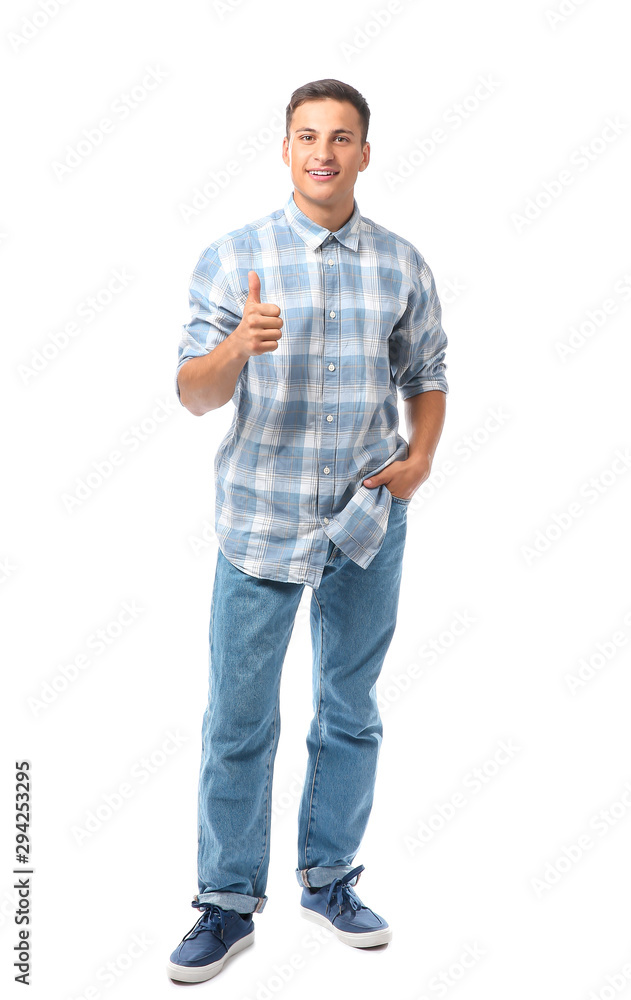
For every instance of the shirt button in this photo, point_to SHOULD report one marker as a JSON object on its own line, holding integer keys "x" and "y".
{"x": 329, "y": 418}
{"x": 331, "y": 367}
{"x": 326, "y": 520}
{"x": 331, "y": 262}
{"x": 326, "y": 470}
{"x": 332, "y": 314}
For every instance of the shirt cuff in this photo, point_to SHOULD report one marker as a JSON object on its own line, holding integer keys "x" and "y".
{"x": 415, "y": 390}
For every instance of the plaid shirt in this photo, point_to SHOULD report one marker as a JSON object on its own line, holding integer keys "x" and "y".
{"x": 361, "y": 319}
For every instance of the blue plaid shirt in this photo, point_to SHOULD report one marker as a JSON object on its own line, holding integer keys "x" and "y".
{"x": 312, "y": 419}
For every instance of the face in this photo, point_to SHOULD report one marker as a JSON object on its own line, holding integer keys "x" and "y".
{"x": 325, "y": 135}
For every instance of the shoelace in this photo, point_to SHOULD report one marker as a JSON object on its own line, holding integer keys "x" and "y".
{"x": 212, "y": 920}
{"x": 342, "y": 894}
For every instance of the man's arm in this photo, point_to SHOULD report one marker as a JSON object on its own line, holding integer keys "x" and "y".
{"x": 418, "y": 344}
{"x": 206, "y": 383}
{"x": 425, "y": 418}
{"x": 425, "y": 409}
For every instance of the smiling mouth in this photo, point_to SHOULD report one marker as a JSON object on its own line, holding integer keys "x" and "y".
{"x": 323, "y": 173}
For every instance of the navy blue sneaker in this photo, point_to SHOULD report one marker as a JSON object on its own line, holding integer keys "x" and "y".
{"x": 338, "y": 907}
{"x": 216, "y": 936}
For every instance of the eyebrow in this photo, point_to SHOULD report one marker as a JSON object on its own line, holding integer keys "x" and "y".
{"x": 333, "y": 131}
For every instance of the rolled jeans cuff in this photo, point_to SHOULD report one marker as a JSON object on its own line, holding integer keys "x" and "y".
{"x": 317, "y": 877}
{"x": 234, "y": 901}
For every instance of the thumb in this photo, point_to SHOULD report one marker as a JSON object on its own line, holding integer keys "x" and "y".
{"x": 373, "y": 481}
{"x": 254, "y": 286}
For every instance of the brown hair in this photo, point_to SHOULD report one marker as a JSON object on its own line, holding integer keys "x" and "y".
{"x": 319, "y": 89}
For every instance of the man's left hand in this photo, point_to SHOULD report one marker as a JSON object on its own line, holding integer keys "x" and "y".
{"x": 402, "y": 478}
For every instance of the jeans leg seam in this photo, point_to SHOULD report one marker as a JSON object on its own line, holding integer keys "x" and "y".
{"x": 267, "y": 799}
{"x": 205, "y": 715}
{"x": 315, "y": 768}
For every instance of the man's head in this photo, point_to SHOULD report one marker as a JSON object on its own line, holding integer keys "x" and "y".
{"x": 335, "y": 90}
{"x": 327, "y": 124}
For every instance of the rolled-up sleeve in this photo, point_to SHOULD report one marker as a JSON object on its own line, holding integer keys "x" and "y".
{"x": 214, "y": 311}
{"x": 418, "y": 341}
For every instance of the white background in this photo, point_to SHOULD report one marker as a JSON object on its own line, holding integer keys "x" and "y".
{"x": 497, "y": 876}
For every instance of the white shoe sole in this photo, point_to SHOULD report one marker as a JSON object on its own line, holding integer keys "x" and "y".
{"x": 367, "y": 939}
{"x": 186, "y": 974}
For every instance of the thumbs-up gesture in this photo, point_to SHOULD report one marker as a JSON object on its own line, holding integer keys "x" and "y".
{"x": 259, "y": 330}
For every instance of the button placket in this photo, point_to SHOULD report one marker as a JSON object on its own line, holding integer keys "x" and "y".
{"x": 330, "y": 396}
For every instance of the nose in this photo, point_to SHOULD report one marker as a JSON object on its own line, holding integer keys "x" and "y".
{"x": 323, "y": 153}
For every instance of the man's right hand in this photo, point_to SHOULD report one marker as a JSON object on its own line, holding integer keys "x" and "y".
{"x": 259, "y": 330}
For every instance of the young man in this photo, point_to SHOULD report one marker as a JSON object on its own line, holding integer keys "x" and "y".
{"x": 309, "y": 319}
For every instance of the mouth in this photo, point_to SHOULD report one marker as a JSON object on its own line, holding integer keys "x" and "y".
{"x": 323, "y": 175}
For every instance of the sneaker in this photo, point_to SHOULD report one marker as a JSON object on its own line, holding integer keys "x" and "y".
{"x": 338, "y": 907}
{"x": 216, "y": 936}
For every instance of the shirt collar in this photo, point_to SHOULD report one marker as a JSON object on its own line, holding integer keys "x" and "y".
{"x": 314, "y": 235}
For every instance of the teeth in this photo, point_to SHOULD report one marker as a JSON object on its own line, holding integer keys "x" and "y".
{"x": 322, "y": 173}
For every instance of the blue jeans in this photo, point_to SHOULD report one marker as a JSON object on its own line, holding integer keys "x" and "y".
{"x": 353, "y": 617}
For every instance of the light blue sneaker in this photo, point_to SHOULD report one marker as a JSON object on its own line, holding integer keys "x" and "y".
{"x": 217, "y": 935}
{"x": 338, "y": 907}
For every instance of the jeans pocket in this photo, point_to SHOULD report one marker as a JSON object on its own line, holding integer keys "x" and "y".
{"x": 400, "y": 499}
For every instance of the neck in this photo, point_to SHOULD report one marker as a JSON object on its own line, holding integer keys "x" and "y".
{"x": 331, "y": 217}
